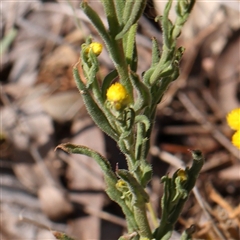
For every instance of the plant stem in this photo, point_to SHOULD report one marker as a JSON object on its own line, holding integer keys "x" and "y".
{"x": 142, "y": 221}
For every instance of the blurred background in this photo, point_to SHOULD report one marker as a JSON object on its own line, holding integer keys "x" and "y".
{"x": 45, "y": 191}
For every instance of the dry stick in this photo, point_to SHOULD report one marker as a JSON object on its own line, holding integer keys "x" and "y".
{"x": 178, "y": 163}
{"x": 55, "y": 227}
{"x": 213, "y": 104}
{"x": 33, "y": 221}
{"x": 105, "y": 216}
{"x": 180, "y": 130}
{"x": 198, "y": 116}
{"x": 167, "y": 157}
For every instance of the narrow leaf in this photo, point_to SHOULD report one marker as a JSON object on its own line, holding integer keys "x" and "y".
{"x": 110, "y": 178}
{"x": 131, "y": 51}
{"x": 107, "y": 82}
{"x": 144, "y": 97}
{"x": 139, "y": 196}
{"x": 111, "y": 15}
{"x": 93, "y": 109}
{"x": 97, "y": 22}
{"x": 136, "y": 13}
{"x": 155, "y": 52}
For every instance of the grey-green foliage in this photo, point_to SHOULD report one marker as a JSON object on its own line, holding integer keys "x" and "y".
{"x": 130, "y": 125}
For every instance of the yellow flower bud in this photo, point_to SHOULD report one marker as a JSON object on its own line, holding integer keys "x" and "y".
{"x": 118, "y": 96}
{"x": 233, "y": 119}
{"x": 182, "y": 174}
{"x": 96, "y": 47}
{"x": 236, "y": 139}
{"x": 120, "y": 184}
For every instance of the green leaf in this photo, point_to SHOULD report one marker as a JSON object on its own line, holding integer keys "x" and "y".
{"x": 187, "y": 234}
{"x": 155, "y": 52}
{"x": 147, "y": 75}
{"x": 129, "y": 119}
{"x": 136, "y": 12}
{"x": 111, "y": 15}
{"x": 127, "y": 10}
{"x": 130, "y": 47}
{"x": 167, "y": 25}
{"x": 143, "y": 119}
{"x": 144, "y": 97}
{"x": 107, "y": 82}
{"x": 139, "y": 196}
{"x": 183, "y": 9}
{"x": 93, "y": 109}
{"x": 119, "y": 5}
{"x": 90, "y": 66}
{"x": 97, "y": 22}
{"x": 172, "y": 206}
{"x": 109, "y": 176}
{"x": 193, "y": 172}
{"x": 146, "y": 172}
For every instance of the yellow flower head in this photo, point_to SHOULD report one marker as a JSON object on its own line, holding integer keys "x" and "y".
{"x": 120, "y": 184}
{"x": 236, "y": 139}
{"x": 182, "y": 174}
{"x": 96, "y": 47}
{"x": 118, "y": 96}
{"x": 233, "y": 119}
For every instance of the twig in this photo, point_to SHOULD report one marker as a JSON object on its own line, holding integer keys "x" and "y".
{"x": 31, "y": 221}
{"x": 106, "y": 216}
{"x": 201, "y": 119}
{"x": 167, "y": 157}
{"x": 49, "y": 225}
{"x": 38, "y": 159}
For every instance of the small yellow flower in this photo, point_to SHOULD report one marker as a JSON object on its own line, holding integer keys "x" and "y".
{"x": 182, "y": 174}
{"x": 120, "y": 184}
{"x": 96, "y": 47}
{"x": 236, "y": 139}
{"x": 118, "y": 96}
{"x": 233, "y": 119}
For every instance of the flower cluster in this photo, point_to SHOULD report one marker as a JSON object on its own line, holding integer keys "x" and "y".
{"x": 233, "y": 120}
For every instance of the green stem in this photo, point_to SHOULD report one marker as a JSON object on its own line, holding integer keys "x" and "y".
{"x": 122, "y": 67}
{"x": 142, "y": 222}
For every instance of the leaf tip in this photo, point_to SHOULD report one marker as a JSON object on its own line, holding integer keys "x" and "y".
{"x": 63, "y": 146}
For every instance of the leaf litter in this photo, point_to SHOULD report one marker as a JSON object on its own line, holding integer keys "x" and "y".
{"x": 40, "y": 108}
